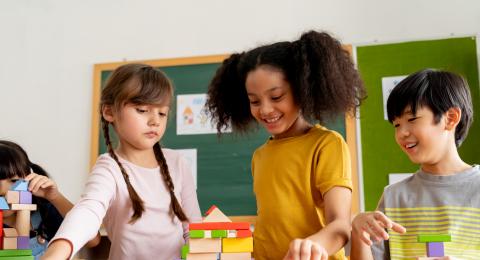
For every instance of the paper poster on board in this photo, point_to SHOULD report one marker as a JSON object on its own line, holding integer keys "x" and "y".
{"x": 388, "y": 83}
{"x": 192, "y": 118}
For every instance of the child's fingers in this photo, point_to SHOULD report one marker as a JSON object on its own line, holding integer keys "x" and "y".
{"x": 39, "y": 182}
{"x": 30, "y": 176}
{"x": 379, "y": 216}
{"x": 305, "y": 249}
{"x": 398, "y": 228}
{"x": 366, "y": 238}
{"x": 316, "y": 252}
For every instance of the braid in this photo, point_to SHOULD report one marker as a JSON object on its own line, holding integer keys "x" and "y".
{"x": 175, "y": 205}
{"x": 137, "y": 202}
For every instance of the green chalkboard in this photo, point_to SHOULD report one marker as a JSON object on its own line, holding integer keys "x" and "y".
{"x": 380, "y": 153}
{"x": 223, "y": 165}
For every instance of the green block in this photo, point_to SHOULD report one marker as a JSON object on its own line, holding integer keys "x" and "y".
{"x": 219, "y": 233}
{"x": 22, "y": 257}
{"x": 197, "y": 233}
{"x": 15, "y": 252}
{"x": 434, "y": 238}
{"x": 185, "y": 250}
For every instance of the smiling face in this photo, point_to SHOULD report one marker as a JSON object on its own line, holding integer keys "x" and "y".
{"x": 424, "y": 141}
{"x": 272, "y": 103}
{"x": 138, "y": 127}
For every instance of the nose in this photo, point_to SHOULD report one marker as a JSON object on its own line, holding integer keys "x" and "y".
{"x": 265, "y": 108}
{"x": 402, "y": 132}
{"x": 154, "y": 120}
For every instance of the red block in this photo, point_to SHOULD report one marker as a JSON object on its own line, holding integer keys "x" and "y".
{"x": 244, "y": 233}
{"x": 220, "y": 225}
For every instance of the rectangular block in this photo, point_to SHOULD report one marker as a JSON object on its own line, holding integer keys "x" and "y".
{"x": 13, "y": 197}
{"x": 219, "y": 225}
{"x": 31, "y": 207}
{"x": 185, "y": 251}
{"x": 205, "y": 245}
{"x": 203, "y": 256}
{"x": 9, "y": 243}
{"x": 244, "y": 233}
{"x": 13, "y": 252}
{"x": 23, "y": 257}
{"x": 219, "y": 233}
{"x": 207, "y": 234}
{"x": 25, "y": 197}
{"x": 236, "y": 256}
{"x": 435, "y": 249}
{"x": 197, "y": 233}
{"x": 434, "y": 238}
{"x": 237, "y": 245}
{"x": 23, "y": 242}
{"x": 232, "y": 233}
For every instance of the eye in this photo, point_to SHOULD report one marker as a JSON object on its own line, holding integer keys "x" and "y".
{"x": 162, "y": 114}
{"x": 396, "y": 125}
{"x": 254, "y": 102}
{"x": 141, "y": 110}
{"x": 276, "y": 98}
{"x": 412, "y": 119}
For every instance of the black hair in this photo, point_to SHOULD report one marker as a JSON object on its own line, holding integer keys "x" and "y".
{"x": 14, "y": 163}
{"x": 437, "y": 90}
{"x": 320, "y": 71}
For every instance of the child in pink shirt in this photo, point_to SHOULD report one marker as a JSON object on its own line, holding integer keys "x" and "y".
{"x": 144, "y": 194}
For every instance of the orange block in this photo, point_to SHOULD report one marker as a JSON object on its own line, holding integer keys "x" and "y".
{"x": 244, "y": 233}
{"x": 219, "y": 225}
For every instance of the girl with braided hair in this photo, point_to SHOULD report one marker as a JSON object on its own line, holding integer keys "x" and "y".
{"x": 144, "y": 194}
{"x": 302, "y": 174}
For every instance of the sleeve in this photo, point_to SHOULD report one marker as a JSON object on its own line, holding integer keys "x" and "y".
{"x": 83, "y": 221}
{"x": 333, "y": 167}
{"x": 188, "y": 195}
{"x": 380, "y": 250}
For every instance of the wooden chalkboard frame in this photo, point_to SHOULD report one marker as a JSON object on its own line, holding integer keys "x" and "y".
{"x": 350, "y": 122}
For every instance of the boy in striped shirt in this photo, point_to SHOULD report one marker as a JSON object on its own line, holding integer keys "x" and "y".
{"x": 432, "y": 112}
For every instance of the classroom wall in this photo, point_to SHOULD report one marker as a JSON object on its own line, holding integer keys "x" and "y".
{"x": 48, "y": 48}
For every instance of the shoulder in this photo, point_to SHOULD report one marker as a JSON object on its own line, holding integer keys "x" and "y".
{"x": 400, "y": 187}
{"x": 106, "y": 165}
{"x": 173, "y": 157}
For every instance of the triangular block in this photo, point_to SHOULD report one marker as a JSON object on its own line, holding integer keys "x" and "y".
{"x": 214, "y": 214}
{"x": 20, "y": 185}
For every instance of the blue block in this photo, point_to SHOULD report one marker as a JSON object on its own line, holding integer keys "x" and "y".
{"x": 3, "y": 203}
{"x": 435, "y": 249}
{"x": 20, "y": 185}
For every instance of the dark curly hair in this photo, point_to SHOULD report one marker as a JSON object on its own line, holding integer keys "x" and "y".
{"x": 321, "y": 73}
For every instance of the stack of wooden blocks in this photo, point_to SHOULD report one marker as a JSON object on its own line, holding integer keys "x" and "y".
{"x": 218, "y": 238}
{"x": 14, "y": 241}
{"x": 435, "y": 247}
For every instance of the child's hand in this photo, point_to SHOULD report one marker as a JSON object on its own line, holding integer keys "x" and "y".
{"x": 42, "y": 186}
{"x": 371, "y": 226}
{"x": 306, "y": 249}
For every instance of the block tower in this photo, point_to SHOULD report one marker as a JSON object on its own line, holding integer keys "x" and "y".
{"x": 14, "y": 241}
{"x": 434, "y": 243}
{"x": 218, "y": 238}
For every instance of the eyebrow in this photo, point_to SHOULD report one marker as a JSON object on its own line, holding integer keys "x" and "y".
{"x": 269, "y": 90}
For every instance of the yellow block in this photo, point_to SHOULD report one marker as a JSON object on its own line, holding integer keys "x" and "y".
{"x": 237, "y": 245}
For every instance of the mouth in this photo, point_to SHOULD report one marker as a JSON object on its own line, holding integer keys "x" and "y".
{"x": 410, "y": 145}
{"x": 151, "y": 134}
{"x": 272, "y": 119}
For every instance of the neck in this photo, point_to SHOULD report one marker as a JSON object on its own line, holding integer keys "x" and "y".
{"x": 143, "y": 158}
{"x": 449, "y": 164}
{"x": 299, "y": 127}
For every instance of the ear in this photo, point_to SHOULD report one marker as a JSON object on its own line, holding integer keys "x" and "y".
{"x": 452, "y": 117}
{"x": 107, "y": 113}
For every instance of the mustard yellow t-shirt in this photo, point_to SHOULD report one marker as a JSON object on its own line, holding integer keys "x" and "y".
{"x": 290, "y": 178}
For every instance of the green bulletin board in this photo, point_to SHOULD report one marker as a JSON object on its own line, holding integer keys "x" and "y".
{"x": 380, "y": 153}
{"x": 223, "y": 165}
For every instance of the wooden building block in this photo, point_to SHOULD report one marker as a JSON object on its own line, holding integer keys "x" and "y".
{"x": 236, "y": 256}
{"x": 22, "y": 223}
{"x": 25, "y": 197}
{"x": 215, "y": 215}
{"x": 202, "y": 256}
{"x": 185, "y": 251}
{"x": 20, "y": 185}
{"x": 244, "y": 233}
{"x": 13, "y": 197}
{"x": 435, "y": 249}
{"x": 205, "y": 245}
{"x": 9, "y": 243}
{"x": 208, "y": 234}
{"x": 10, "y": 232}
{"x": 23, "y": 242}
{"x": 31, "y": 207}
{"x": 219, "y": 225}
{"x": 237, "y": 245}
{"x": 197, "y": 233}
{"x": 1, "y": 225}
{"x": 13, "y": 252}
{"x": 219, "y": 233}
{"x": 434, "y": 238}
{"x": 232, "y": 233}
{"x": 3, "y": 204}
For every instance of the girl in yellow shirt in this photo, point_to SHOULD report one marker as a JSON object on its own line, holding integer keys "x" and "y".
{"x": 301, "y": 175}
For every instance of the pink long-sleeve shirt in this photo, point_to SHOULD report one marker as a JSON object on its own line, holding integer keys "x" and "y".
{"x": 156, "y": 234}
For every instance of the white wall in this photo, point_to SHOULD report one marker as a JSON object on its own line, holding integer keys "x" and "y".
{"x": 48, "y": 48}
